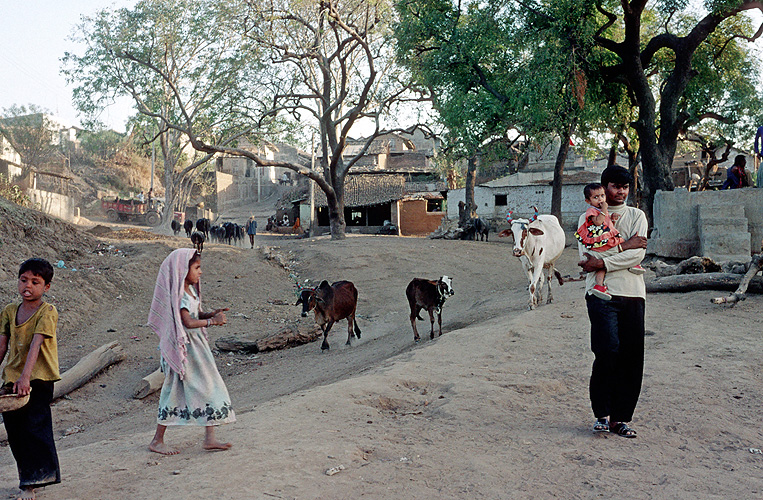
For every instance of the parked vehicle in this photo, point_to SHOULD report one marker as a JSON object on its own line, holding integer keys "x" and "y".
{"x": 148, "y": 213}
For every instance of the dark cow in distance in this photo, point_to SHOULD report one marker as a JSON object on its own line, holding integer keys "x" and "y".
{"x": 188, "y": 226}
{"x": 331, "y": 303}
{"x": 175, "y": 227}
{"x": 197, "y": 238}
{"x": 429, "y": 295}
{"x": 203, "y": 225}
{"x": 476, "y": 229}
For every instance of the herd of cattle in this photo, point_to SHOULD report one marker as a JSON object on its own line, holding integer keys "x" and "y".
{"x": 227, "y": 232}
{"x": 538, "y": 243}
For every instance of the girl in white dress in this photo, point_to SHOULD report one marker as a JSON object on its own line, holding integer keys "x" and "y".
{"x": 193, "y": 392}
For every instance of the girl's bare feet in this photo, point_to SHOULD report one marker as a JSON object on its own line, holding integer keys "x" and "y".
{"x": 211, "y": 443}
{"x": 157, "y": 443}
{"x": 216, "y": 445}
{"x": 26, "y": 494}
{"x": 160, "y": 447}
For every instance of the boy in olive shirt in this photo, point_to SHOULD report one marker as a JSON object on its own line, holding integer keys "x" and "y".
{"x": 28, "y": 337}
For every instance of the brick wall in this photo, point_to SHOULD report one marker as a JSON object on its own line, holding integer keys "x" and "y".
{"x": 414, "y": 219}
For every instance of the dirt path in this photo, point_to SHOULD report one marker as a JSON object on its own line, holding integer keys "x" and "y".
{"x": 496, "y": 408}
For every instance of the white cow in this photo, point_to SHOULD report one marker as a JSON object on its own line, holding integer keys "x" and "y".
{"x": 538, "y": 242}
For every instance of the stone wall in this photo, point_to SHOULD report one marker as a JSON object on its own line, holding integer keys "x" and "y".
{"x": 723, "y": 225}
{"x": 55, "y": 204}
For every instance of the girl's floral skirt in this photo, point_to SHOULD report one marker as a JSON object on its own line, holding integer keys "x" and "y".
{"x": 201, "y": 398}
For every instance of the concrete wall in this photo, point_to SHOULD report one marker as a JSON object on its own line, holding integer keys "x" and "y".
{"x": 676, "y": 230}
{"x": 519, "y": 199}
{"x": 415, "y": 220}
{"x": 55, "y": 204}
{"x": 233, "y": 191}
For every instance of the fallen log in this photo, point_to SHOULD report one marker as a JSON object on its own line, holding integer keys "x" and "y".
{"x": 707, "y": 281}
{"x": 87, "y": 368}
{"x": 238, "y": 345}
{"x": 288, "y": 337}
{"x": 692, "y": 265}
{"x": 741, "y": 293}
{"x": 149, "y": 384}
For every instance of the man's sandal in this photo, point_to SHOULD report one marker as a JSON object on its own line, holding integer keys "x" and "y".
{"x": 601, "y": 425}
{"x": 622, "y": 429}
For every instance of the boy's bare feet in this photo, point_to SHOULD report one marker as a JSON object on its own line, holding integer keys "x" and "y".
{"x": 216, "y": 445}
{"x": 26, "y": 494}
{"x": 162, "y": 448}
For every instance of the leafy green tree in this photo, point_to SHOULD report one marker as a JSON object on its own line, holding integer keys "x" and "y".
{"x": 722, "y": 103}
{"x": 498, "y": 67}
{"x": 100, "y": 145}
{"x": 180, "y": 69}
{"x": 655, "y": 54}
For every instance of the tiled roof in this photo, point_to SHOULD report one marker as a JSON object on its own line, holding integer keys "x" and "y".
{"x": 364, "y": 190}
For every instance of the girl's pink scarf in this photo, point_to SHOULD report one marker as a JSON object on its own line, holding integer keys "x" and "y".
{"x": 164, "y": 317}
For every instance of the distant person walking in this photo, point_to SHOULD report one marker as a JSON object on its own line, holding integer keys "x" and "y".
{"x": 251, "y": 229}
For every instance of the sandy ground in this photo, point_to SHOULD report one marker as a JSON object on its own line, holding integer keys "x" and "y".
{"x": 495, "y": 408}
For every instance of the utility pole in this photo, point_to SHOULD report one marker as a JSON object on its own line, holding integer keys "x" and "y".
{"x": 153, "y": 160}
{"x": 312, "y": 188}
{"x": 259, "y": 187}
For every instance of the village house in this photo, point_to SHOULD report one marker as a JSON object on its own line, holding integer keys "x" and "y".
{"x": 238, "y": 180}
{"x": 395, "y": 182}
{"x": 532, "y": 186}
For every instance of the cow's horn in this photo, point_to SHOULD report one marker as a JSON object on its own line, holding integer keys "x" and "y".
{"x": 508, "y": 216}
{"x": 535, "y": 216}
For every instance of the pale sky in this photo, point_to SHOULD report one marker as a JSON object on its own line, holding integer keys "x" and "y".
{"x": 33, "y": 38}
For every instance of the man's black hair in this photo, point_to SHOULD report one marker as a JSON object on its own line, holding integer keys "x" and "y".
{"x": 38, "y": 267}
{"x": 590, "y": 188}
{"x": 740, "y": 160}
{"x": 616, "y": 175}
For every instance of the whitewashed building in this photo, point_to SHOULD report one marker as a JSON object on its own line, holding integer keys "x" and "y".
{"x": 519, "y": 192}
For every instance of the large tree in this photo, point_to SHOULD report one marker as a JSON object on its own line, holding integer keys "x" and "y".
{"x": 497, "y": 67}
{"x": 250, "y": 67}
{"x": 658, "y": 66}
{"x": 177, "y": 66}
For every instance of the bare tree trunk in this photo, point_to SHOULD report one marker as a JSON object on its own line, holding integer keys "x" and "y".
{"x": 561, "y": 159}
{"x": 149, "y": 384}
{"x": 708, "y": 281}
{"x": 87, "y": 368}
{"x": 612, "y": 156}
{"x": 337, "y": 222}
{"x": 471, "y": 180}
